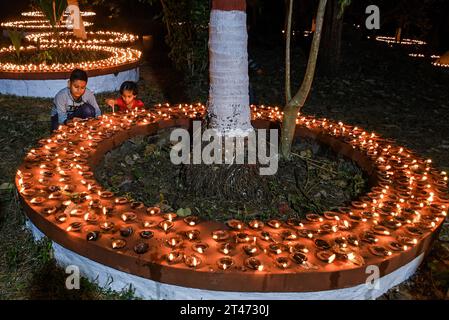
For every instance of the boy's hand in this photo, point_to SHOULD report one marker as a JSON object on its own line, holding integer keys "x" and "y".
{"x": 110, "y": 102}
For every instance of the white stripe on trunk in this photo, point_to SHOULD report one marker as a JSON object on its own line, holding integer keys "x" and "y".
{"x": 228, "y": 108}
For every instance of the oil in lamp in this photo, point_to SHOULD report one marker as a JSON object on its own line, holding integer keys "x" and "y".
{"x": 225, "y": 262}
{"x": 192, "y": 234}
{"x": 173, "y": 242}
{"x": 141, "y": 248}
{"x": 129, "y": 216}
{"x": 93, "y": 236}
{"x": 107, "y": 226}
{"x": 153, "y": 210}
{"x": 74, "y": 227}
{"x": 61, "y": 217}
{"x": 298, "y": 257}
{"x": 254, "y": 264}
{"x": 282, "y": 262}
{"x": 250, "y": 249}
{"x": 220, "y": 235}
{"x": 166, "y": 225}
{"x": 118, "y": 243}
{"x": 146, "y": 234}
{"x": 226, "y": 248}
{"x": 200, "y": 247}
{"x": 175, "y": 256}
{"x": 276, "y": 224}
{"x": 256, "y": 224}
{"x": 192, "y": 261}
{"x": 191, "y": 220}
{"x": 326, "y": 256}
{"x": 235, "y": 224}
{"x": 170, "y": 216}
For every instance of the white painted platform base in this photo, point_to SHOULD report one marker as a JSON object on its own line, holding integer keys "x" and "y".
{"x": 49, "y": 88}
{"x": 148, "y": 289}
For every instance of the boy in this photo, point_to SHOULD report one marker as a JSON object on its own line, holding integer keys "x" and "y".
{"x": 128, "y": 98}
{"x": 75, "y": 101}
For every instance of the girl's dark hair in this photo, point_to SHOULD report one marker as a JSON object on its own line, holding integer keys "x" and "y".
{"x": 129, "y": 86}
{"x": 78, "y": 74}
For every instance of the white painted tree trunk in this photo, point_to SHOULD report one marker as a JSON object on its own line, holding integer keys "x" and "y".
{"x": 228, "y": 108}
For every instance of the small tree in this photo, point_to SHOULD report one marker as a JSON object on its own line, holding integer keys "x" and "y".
{"x": 53, "y": 11}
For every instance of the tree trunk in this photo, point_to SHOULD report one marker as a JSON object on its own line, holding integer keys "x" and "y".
{"x": 81, "y": 31}
{"x": 297, "y": 102}
{"x": 288, "y": 29}
{"x": 330, "y": 51}
{"x": 228, "y": 110}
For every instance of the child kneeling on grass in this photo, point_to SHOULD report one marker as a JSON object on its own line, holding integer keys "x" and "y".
{"x": 128, "y": 98}
{"x": 75, "y": 101}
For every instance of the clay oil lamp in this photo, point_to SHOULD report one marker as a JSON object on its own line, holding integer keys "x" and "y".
{"x": 369, "y": 237}
{"x": 225, "y": 262}
{"x": 326, "y": 228}
{"x": 93, "y": 236}
{"x": 330, "y": 215}
{"x": 226, "y": 248}
{"x": 128, "y": 216}
{"x": 37, "y": 201}
{"x": 294, "y": 222}
{"x": 250, "y": 249}
{"x": 91, "y": 217}
{"x": 266, "y": 236}
{"x": 242, "y": 237}
{"x": 141, "y": 248}
{"x": 49, "y": 210}
{"x": 61, "y": 217}
{"x": 288, "y": 235}
{"x": 410, "y": 242}
{"x": 379, "y": 251}
{"x": 192, "y": 234}
{"x": 304, "y": 233}
{"x": 146, "y": 234}
{"x": 200, "y": 247}
{"x": 118, "y": 244}
{"x": 166, "y": 225}
{"x": 192, "y": 220}
{"x": 256, "y": 224}
{"x": 322, "y": 244}
{"x": 234, "y": 224}
{"x": 396, "y": 246}
{"x": 107, "y": 210}
{"x": 192, "y": 261}
{"x": 149, "y": 224}
{"x": 282, "y": 262}
{"x": 381, "y": 230}
{"x": 74, "y": 227}
{"x": 254, "y": 264}
{"x": 326, "y": 256}
{"x": 344, "y": 225}
{"x": 298, "y": 257}
{"x": 174, "y": 242}
{"x": 126, "y": 231}
{"x": 121, "y": 200}
{"x": 220, "y": 235}
{"x": 106, "y": 194}
{"x": 275, "y": 224}
{"x": 95, "y": 203}
{"x": 107, "y": 226}
{"x": 298, "y": 247}
{"x": 414, "y": 230}
{"x": 28, "y": 192}
{"x": 276, "y": 248}
{"x": 169, "y": 216}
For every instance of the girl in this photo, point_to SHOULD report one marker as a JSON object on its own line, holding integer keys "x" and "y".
{"x": 128, "y": 98}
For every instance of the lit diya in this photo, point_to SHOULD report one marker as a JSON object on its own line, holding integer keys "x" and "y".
{"x": 107, "y": 226}
{"x": 298, "y": 257}
{"x": 313, "y": 217}
{"x": 192, "y": 220}
{"x": 264, "y": 235}
{"x": 276, "y": 224}
{"x": 192, "y": 261}
{"x": 235, "y": 224}
{"x": 91, "y": 217}
{"x": 226, "y": 248}
{"x": 118, "y": 243}
{"x": 61, "y": 217}
{"x": 121, "y": 200}
{"x": 153, "y": 210}
{"x": 294, "y": 222}
{"x": 256, "y": 224}
{"x": 250, "y": 249}
{"x": 49, "y": 210}
{"x": 225, "y": 262}
{"x": 74, "y": 227}
{"x": 174, "y": 241}
{"x": 166, "y": 225}
{"x": 322, "y": 244}
{"x": 200, "y": 247}
{"x": 37, "y": 201}
{"x": 149, "y": 223}
{"x": 304, "y": 233}
{"x": 220, "y": 235}
{"x": 326, "y": 256}
{"x": 169, "y": 216}
{"x": 254, "y": 264}
{"x": 288, "y": 235}
{"x": 298, "y": 247}
{"x": 137, "y": 205}
{"x": 93, "y": 236}
{"x": 276, "y": 248}
{"x": 242, "y": 237}
{"x": 106, "y": 194}
{"x": 129, "y": 216}
{"x": 192, "y": 234}
{"x": 282, "y": 262}
{"x": 175, "y": 256}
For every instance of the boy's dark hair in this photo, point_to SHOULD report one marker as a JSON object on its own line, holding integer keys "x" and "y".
{"x": 129, "y": 85}
{"x": 78, "y": 74}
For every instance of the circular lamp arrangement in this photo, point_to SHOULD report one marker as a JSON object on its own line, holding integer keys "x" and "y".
{"x": 388, "y": 227}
